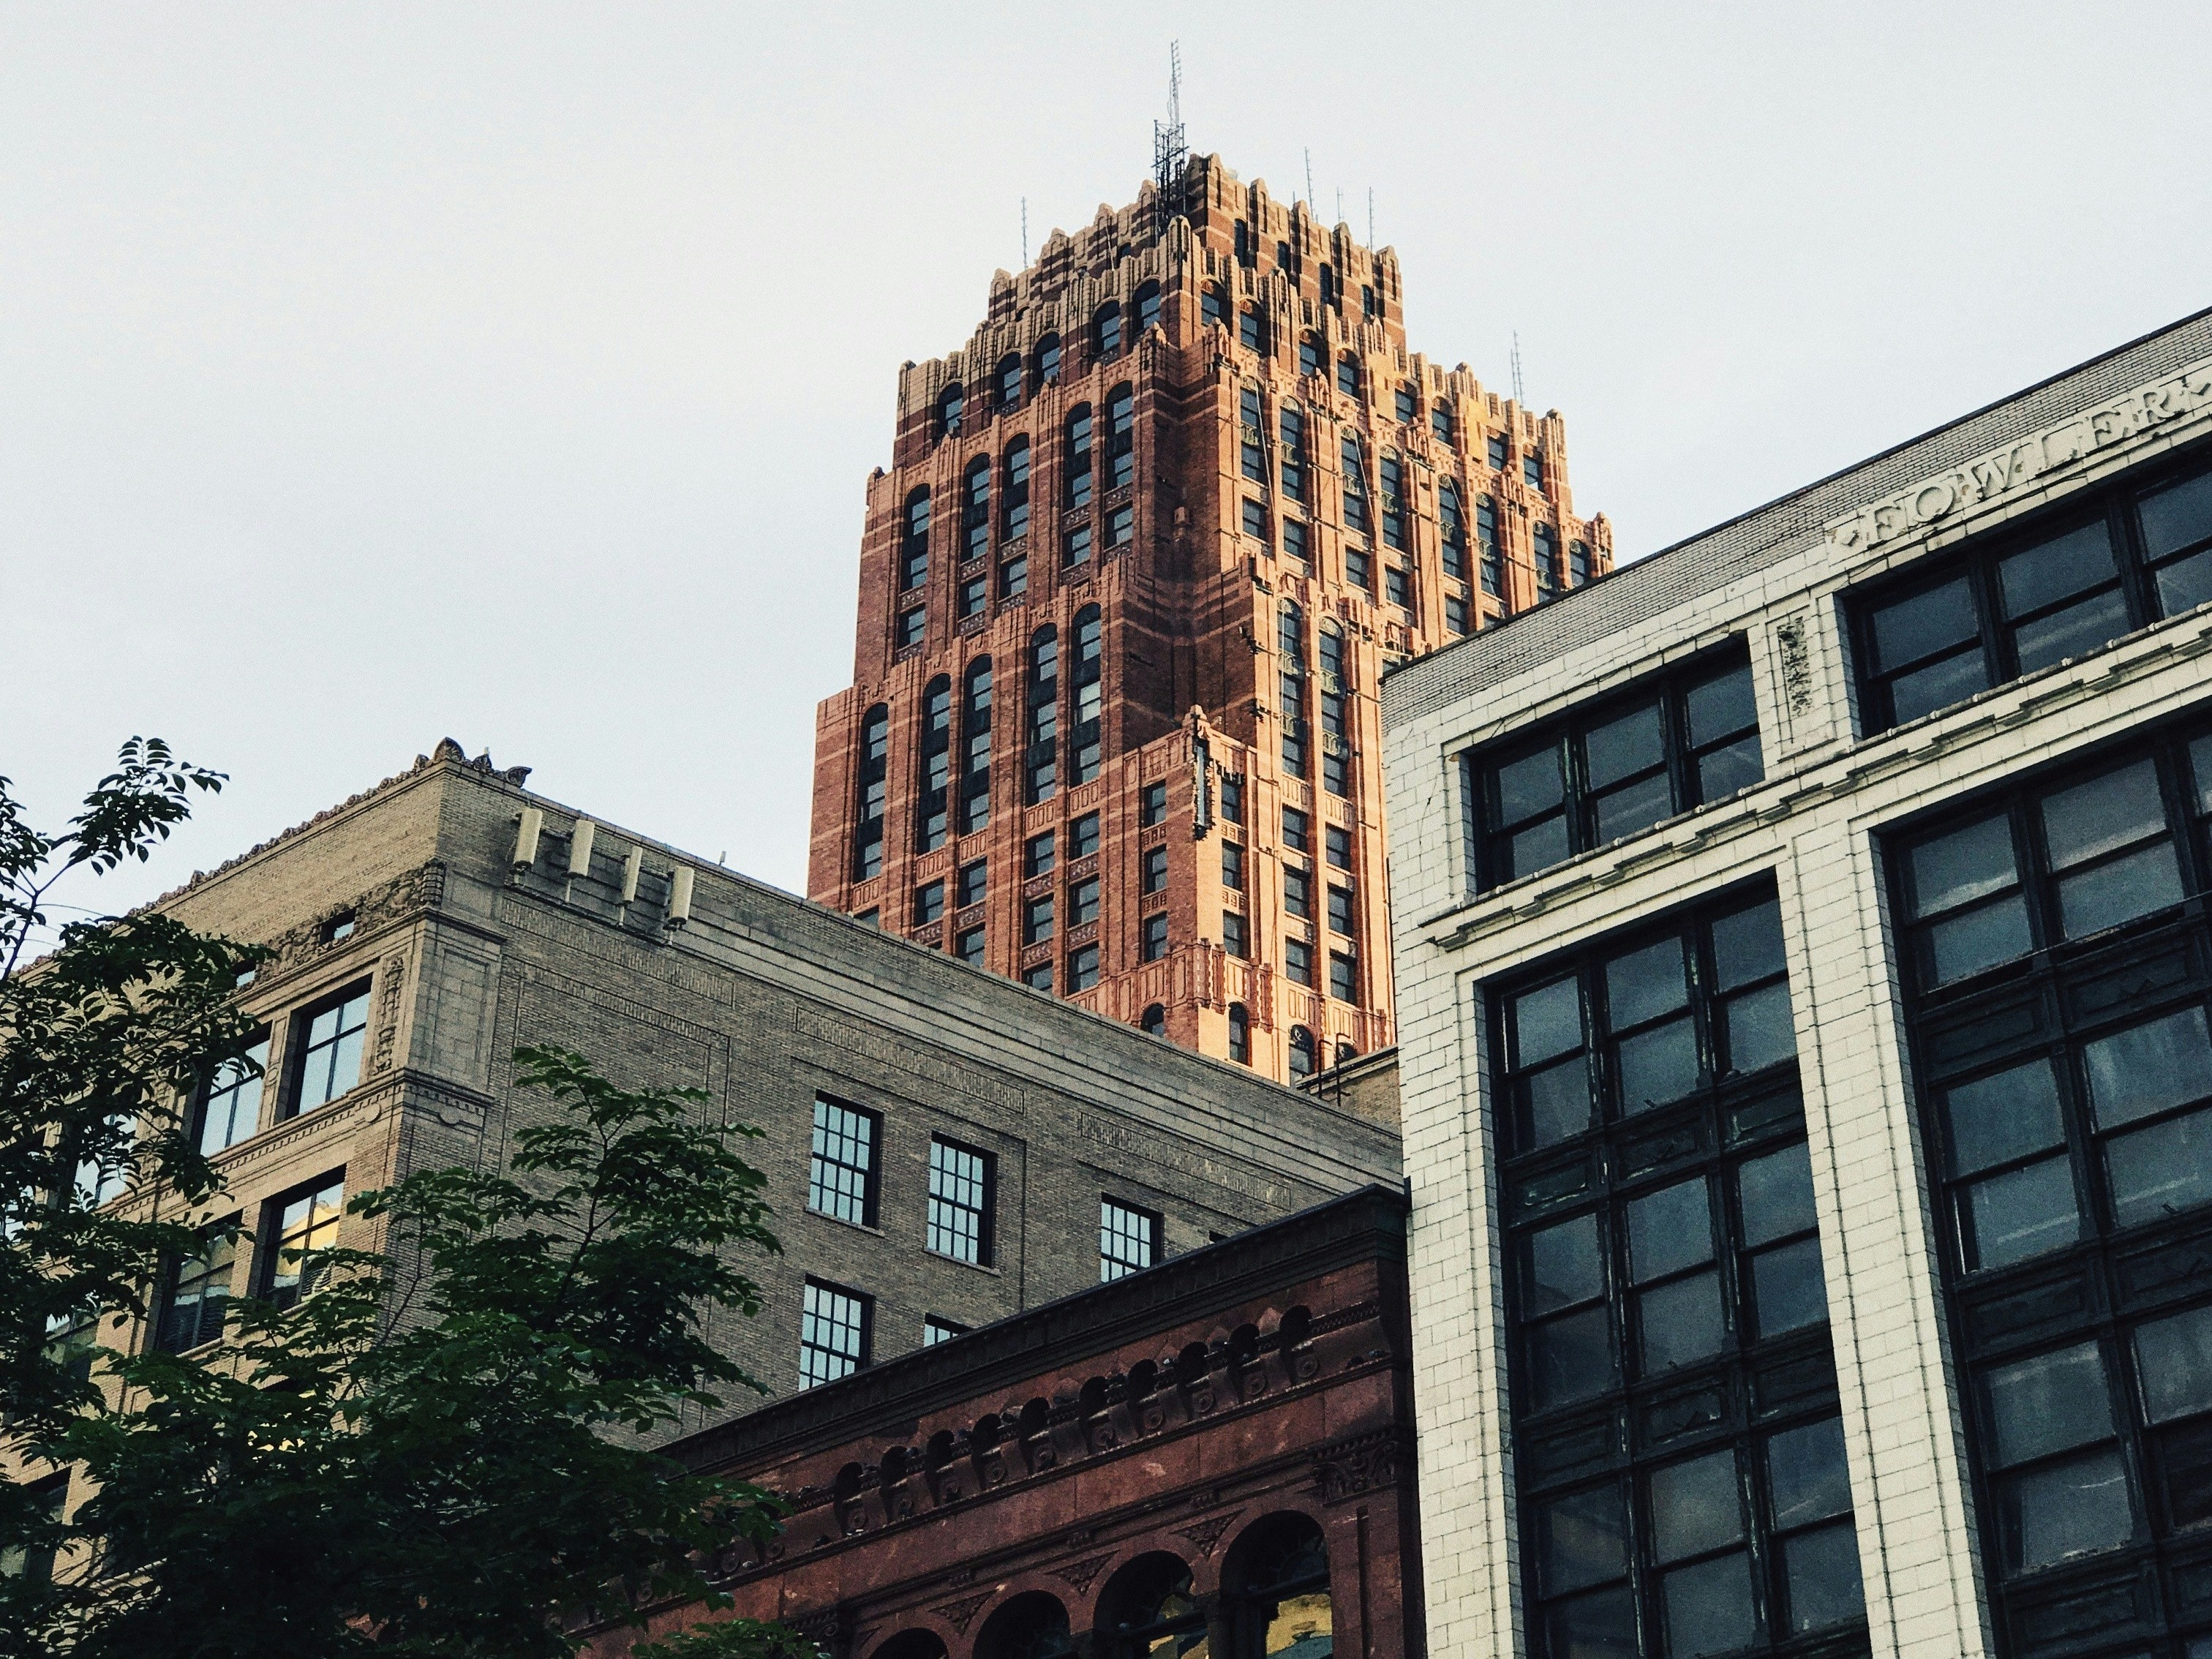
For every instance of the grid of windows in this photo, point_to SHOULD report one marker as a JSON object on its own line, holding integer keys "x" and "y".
{"x": 2020, "y": 601}
{"x": 1617, "y": 768}
{"x": 841, "y": 1175}
{"x": 305, "y": 1230}
{"x": 833, "y": 1333}
{"x": 199, "y": 1292}
{"x": 230, "y": 1109}
{"x": 330, "y": 1061}
{"x": 960, "y": 1201}
{"x": 1128, "y": 1239}
{"x": 1679, "y": 1454}
{"x": 2061, "y": 1022}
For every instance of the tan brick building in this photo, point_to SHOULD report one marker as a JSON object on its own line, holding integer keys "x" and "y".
{"x": 1145, "y": 545}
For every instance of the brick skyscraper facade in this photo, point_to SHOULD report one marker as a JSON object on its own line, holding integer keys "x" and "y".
{"x": 1143, "y": 550}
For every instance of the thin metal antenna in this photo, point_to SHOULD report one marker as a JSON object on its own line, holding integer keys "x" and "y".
{"x": 1339, "y": 204}
{"x": 1025, "y": 232}
{"x": 1370, "y": 215}
{"x": 1310, "y": 195}
{"x": 1519, "y": 396}
{"x": 1170, "y": 155}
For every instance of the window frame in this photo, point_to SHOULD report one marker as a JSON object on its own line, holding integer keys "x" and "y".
{"x": 863, "y": 1189}
{"x": 300, "y": 1048}
{"x": 975, "y": 1223}
{"x": 1119, "y": 1219}
{"x": 862, "y": 1324}
{"x": 271, "y": 1269}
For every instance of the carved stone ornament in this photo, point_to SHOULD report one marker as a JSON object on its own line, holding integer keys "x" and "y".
{"x": 962, "y": 1613}
{"x": 1353, "y": 1467}
{"x": 1081, "y": 1573}
{"x": 1207, "y": 1533}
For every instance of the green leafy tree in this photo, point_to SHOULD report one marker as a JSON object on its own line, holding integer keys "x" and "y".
{"x": 436, "y": 1452}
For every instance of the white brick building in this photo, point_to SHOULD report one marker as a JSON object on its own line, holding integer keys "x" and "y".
{"x": 1962, "y": 1151}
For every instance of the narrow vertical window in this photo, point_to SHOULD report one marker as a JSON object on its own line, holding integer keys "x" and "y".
{"x": 960, "y": 1201}
{"x": 976, "y": 509}
{"x": 933, "y": 765}
{"x": 1309, "y": 356}
{"x": 1079, "y": 455}
{"x": 1128, "y": 1239}
{"x": 1120, "y": 437}
{"x": 1251, "y": 329}
{"x": 969, "y": 945}
{"x": 841, "y": 1174}
{"x": 1292, "y": 427}
{"x": 1106, "y": 331}
{"x": 1440, "y": 420}
{"x": 914, "y": 541}
{"x": 1546, "y": 558}
{"x": 1252, "y": 459}
{"x": 1014, "y": 492}
{"x": 1009, "y": 379}
{"x": 1213, "y": 306}
{"x": 871, "y": 776}
{"x": 1485, "y": 537}
{"x": 833, "y": 1333}
{"x": 1397, "y": 512}
{"x": 951, "y": 404}
{"x": 1042, "y": 745}
{"x": 1153, "y": 940}
{"x": 1451, "y": 527}
{"x": 1305, "y": 1056}
{"x": 1086, "y": 676}
{"x": 1290, "y": 641}
{"x": 1335, "y": 704}
{"x": 1048, "y": 360}
{"x": 1148, "y": 307}
{"x": 1347, "y": 375}
{"x": 1240, "y": 1035}
{"x": 976, "y": 747}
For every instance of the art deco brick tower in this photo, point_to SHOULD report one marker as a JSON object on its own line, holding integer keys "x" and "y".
{"x": 1143, "y": 550}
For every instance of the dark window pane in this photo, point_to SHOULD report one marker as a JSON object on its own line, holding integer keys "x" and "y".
{"x": 1939, "y": 685}
{"x": 2130, "y": 886}
{"x": 1585, "y": 1540}
{"x": 1925, "y": 623}
{"x": 1995, "y": 1119}
{"x": 1777, "y": 1193}
{"x": 1788, "y": 1289}
{"x": 2049, "y": 1403}
{"x": 1695, "y": 1506}
{"x": 1547, "y": 1021}
{"x": 1530, "y": 785}
{"x": 2161, "y": 1171}
{"x": 1634, "y": 808}
{"x": 1572, "y": 1359}
{"x": 1621, "y": 746}
{"x": 2042, "y": 574}
{"x": 2174, "y": 517}
{"x": 1724, "y": 771}
{"x": 1658, "y": 1066}
{"x": 1564, "y": 1265}
{"x": 2068, "y": 1509}
{"x": 1963, "y": 865}
{"x": 1759, "y": 1030}
{"x": 2148, "y": 1067}
{"x": 2175, "y": 1359}
{"x": 2074, "y": 632}
{"x": 2185, "y": 1466}
{"x": 1979, "y": 939}
{"x": 1670, "y": 1230}
{"x": 1559, "y": 1102}
{"x": 1681, "y": 1322}
{"x": 1645, "y": 984}
{"x": 1747, "y": 945}
{"x": 2010, "y": 1218}
{"x": 1600, "y": 1626}
{"x": 1806, "y": 1473}
{"x": 1709, "y": 1608}
{"x": 1720, "y": 707}
{"x": 2106, "y": 812}
{"x": 2185, "y": 584}
{"x": 1539, "y": 848}
{"x": 1823, "y": 1568}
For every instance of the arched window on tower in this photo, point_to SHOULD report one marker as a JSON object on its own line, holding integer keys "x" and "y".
{"x": 1155, "y": 1021}
{"x": 1010, "y": 382}
{"x": 914, "y": 540}
{"x": 1120, "y": 437}
{"x": 1291, "y": 644}
{"x": 1240, "y": 1034}
{"x": 1079, "y": 455}
{"x": 872, "y": 778}
{"x": 1148, "y": 1609}
{"x": 1048, "y": 360}
{"x": 976, "y": 509}
{"x": 1087, "y": 674}
{"x": 1041, "y": 750}
{"x": 1309, "y": 354}
{"x": 1303, "y": 1060}
{"x": 1451, "y": 524}
{"x": 1486, "y": 543}
{"x": 1148, "y": 307}
{"x": 1545, "y": 554}
{"x": 1252, "y": 329}
{"x": 1032, "y": 1626}
{"x": 1014, "y": 492}
{"x": 1213, "y": 305}
{"x": 976, "y": 747}
{"x": 1276, "y": 1578}
{"x": 1106, "y": 331}
{"x": 1335, "y": 701}
{"x": 934, "y": 764}
{"x": 951, "y": 403}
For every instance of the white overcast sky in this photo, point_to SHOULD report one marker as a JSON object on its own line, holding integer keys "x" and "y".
{"x": 370, "y": 374}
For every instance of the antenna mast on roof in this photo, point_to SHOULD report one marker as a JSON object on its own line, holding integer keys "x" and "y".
{"x": 1310, "y": 195}
{"x": 1170, "y": 156}
{"x": 1370, "y": 218}
{"x": 1025, "y": 232}
{"x": 1519, "y": 396}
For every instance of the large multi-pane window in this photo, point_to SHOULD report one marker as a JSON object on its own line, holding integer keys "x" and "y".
{"x": 976, "y": 747}
{"x": 300, "y": 1232}
{"x": 1041, "y": 747}
{"x": 1128, "y": 1238}
{"x": 330, "y": 1035}
{"x": 2018, "y": 601}
{"x": 959, "y": 1202}
{"x": 1086, "y": 737}
{"x": 2060, "y": 1008}
{"x": 933, "y": 766}
{"x": 1679, "y": 1454}
{"x": 230, "y": 1106}
{"x": 840, "y": 1175}
{"x": 198, "y": 1293}
{"x": 1617, "y": 768}
{"x": 833, "y": 1333}
{"x": 871, "y": 780}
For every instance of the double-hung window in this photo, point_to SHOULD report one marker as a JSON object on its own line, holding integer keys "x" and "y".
{"x": 833, "y": 1333}
{"x": 840, "y": 1175}
{"x": 1128, "y": 1239}
{"x": 1617, "y": 769}
{"x": 960, "y": 1201}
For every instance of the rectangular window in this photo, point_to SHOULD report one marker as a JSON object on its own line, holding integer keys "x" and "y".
{"x": 1120, "y": 525}
{"x": 1297, "y": 830}
{"x": 910, "y": 625}
{"x": 1532, "y": 470}
{"x": 1336, "y": 771}
{"x": 1340, "y": 910}
{"x": 1338, "y": 840}
{"x": 1344, "y": 976}
{"x": 198, "y": 1295}
{"x": 1128, "y": 1239}
{"x": 49, "y": 1500}
{"x": 1294, "y": 540}
{"x": 1663, "y": 1248}
{"x": 1403, "y": 404}
{"x": 1083, "y": 836}
{"x": 1232, "y": 797}
{"x": 2016, "y": 601}
{"x": 1154, "y": 944}
{"x": 969, "y": 945}
{"x": 1038, "y": 976}
{"x": 1397, "y": 510}
{"x": 1232, "y": 865}
{"x": 1454, "y": 613}
{"x": 1153, "y": 869}
{"x": 1251, "y": 458}
{"x": 840, "y": 1177}
{"x": 1082, "y": 900}
{"x": 1255, "y": 520}
{"x": 1358, "y": 568}
{"x": 298, "y": 1232}
{"x": 1036, "y": 855}
{"x": 1398, "y": 587}
{"x": 328, "y": 1039}
{"x": 1082, "y": 968}
{"x": 1297, "y": 890}
{"x": 1616, "y": 768}
{"x": 1297, "y": 961}
{"x": 833, "y": 1333}
{"x": 928, "y": 902}
{"x": 1293, "y": 451}
{"x": 1152, "y": 805}
{"x": 1495, "y": 453}
{"x": 1014, "y": 578}
{"x": 230, "y": 1104}
{"x": 961, "y": 1187}
{"x": 935, "y": 1330}
{"x": 975, "y": 594}
{"x": 1075, "y": 546}
{"x": 1036, "y": 919}
{"x": 1235, "y": 941}
{"x": 973, "y": 877}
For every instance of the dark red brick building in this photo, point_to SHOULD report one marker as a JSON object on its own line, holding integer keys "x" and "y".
{"x": 1144, "y": 548}
{"x": 1218, "y": 1449}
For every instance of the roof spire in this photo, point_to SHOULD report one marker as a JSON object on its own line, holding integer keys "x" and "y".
{"x": 1170, "y": 155}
